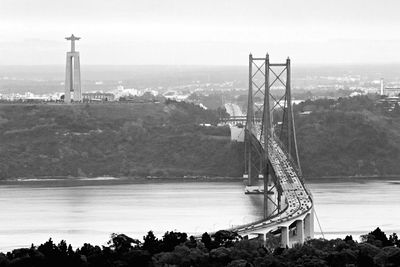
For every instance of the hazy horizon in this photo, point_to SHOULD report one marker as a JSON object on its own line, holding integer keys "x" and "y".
{"x": 228, "y": 72}
{"x": 245, "y": 64}
{"x": 46, "y": 78}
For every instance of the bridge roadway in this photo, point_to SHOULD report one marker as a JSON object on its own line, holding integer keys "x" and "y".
{"x": 233, "y": 110}
{"x": 297, "y": 205}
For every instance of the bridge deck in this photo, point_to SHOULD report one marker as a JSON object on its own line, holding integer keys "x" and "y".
{"x": 298, "y": 199}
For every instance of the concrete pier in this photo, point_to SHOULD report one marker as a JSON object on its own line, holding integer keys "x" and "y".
{"x": 309, "y": 225}
{"x": 300, "y": 231}
{"x": 284, "y": 236}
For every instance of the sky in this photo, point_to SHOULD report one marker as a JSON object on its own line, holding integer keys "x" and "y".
{"x": 202, "y": 32}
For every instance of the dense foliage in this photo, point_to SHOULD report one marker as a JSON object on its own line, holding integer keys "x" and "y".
{"x": 224, "y": 248}
{"x": 354, "y": 136}
{"x": 351, "y": 136}
{"x": 156, "y": 139}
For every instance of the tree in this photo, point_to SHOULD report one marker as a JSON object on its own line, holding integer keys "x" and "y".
{"x": 393, "y": 239}
{"x": 192, "y": 243}
{"x": 206, "y": 240}
{"x": 226, "y": 238}
{"x": 151, "y": 243}
{"x": 122, "y": 243}
{"x": 348, "y": 238}
{"x": 377, "y": 238}
{"x": 172, "y": 239}
{"x": 272, "y": 242}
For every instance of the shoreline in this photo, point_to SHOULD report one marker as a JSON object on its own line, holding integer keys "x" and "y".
{"x": 110, "y": 180}
{"x": 352, "y": 178}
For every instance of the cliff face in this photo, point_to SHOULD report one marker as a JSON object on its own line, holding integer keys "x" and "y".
{"x": 114, "y": 139}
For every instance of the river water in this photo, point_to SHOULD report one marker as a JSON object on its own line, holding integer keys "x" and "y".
{"x": 89, "y": 211}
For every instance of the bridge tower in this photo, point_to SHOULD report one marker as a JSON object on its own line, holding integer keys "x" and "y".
{"x": 269, "y": 112}
{"x": 73, "y": 73}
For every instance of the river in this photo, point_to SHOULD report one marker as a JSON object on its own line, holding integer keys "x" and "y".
{"x": 89, "y": 211}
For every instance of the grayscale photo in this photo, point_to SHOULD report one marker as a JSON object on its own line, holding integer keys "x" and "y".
{"x": 193, "y": 133}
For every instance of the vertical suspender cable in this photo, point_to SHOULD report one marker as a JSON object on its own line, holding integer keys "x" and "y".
{"x": 319, "y": 225}
{"x": 295, "y": 145}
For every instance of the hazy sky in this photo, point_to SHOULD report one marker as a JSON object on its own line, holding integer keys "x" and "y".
{"x": 206, "y": 32}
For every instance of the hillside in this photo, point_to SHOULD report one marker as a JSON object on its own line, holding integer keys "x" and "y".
{"x": 162, "y": 139}
{"x": 345, "y": 137}
{"x": 348, "y": 137}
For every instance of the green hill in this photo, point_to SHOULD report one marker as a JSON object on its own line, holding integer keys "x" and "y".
{"x": 348, "y": 137}
{"x": 355, "y": 136}
{"x": 162, "y": 139}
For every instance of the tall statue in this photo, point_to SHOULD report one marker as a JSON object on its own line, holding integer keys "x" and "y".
{"x": 73, "y": 74}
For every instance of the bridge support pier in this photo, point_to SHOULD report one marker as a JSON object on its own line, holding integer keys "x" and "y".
{"x": 284, "y": 236}
{"x": 309, "y": 224}
{"x": 300, "y": 231}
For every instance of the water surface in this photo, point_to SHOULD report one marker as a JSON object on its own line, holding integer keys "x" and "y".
{"x": 31, "y": 212}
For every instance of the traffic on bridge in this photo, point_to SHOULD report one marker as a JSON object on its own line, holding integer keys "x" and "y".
{"x": 288, "y": 204}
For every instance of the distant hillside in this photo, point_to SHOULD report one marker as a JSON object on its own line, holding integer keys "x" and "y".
{"x": 114, "y": 139}
{"x": 350, "y": 136}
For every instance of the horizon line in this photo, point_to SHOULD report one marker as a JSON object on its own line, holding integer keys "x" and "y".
{"x": 205, "y": 65}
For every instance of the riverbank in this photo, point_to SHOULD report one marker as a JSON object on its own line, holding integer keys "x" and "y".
{"x": 353, "y": 178}
{"x": 104, "y": 180}
{"x": 77, "y": 181}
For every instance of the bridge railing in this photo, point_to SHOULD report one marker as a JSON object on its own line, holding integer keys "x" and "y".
{"x": 241, "y": 119}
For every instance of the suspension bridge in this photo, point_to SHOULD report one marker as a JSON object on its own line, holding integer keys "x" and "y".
{"x": 272, "y": 165}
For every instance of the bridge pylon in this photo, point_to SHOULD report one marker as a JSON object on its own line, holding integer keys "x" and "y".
{"x": 269, "y": 113}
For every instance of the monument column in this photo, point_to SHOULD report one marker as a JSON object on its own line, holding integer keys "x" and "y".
{"x": 68, "y": 80}
{"x": 73, "y": 73}
{"x": 77, "y": 79}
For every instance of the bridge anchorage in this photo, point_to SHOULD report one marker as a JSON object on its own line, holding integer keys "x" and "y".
{"x": 272, "y": 166}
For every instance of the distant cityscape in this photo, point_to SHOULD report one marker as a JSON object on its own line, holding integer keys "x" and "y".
{"x": 209, "y": 87}
{"x": 330, "y": 87}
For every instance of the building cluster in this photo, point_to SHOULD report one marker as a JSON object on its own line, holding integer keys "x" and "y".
{"x": 31, "y": 97}
{"x": 120, "y": 91}
{"x": 86, "y": 97}
{"x": 97, "y": 97}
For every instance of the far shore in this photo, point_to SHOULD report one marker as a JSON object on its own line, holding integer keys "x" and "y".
{"x": 352, "y": 178}
{"x": 110, "y": 180}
